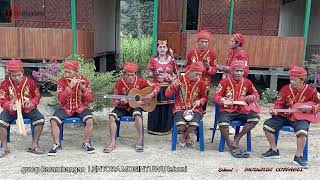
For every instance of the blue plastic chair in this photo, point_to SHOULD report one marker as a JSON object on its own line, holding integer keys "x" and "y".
{"x": 234, "y": 123}
{"x": 127, "y": 119}
{"x": 199, "y": 133}
{"x": 26, "y": 121}
{"x": 70, "y": 120}
{"x": 291, "y": 129}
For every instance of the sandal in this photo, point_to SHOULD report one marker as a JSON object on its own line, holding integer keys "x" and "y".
{"x": 109, "y": 149}
{"x": 182, "y": 145}
{"x": 139, "y": 148}
{"x": 36, "y": 150}
{"x": 245, "y": 154}
{"x": 237, "y": 153}
{"x": 4, "y": 153}
{"x": 189, "y": 141}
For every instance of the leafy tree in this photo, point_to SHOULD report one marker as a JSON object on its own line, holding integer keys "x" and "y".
{"x": 136, "y": 17}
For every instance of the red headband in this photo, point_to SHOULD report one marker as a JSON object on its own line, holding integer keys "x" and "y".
{"x": 297, "y": 71}
{"x": 130, "y": 67}
{"x": 238, "y": 37}
{"x": 71, "y": 64}
{"x": 203, "y": 34}
{"x": 14, "y": 65}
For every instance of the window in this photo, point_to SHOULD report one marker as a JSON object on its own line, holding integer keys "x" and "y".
{"x": 5, "y": 11}
{"x": 192, "y": 14}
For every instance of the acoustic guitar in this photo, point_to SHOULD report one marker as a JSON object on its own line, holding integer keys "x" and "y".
{"x": 135, "y": 98}
{"x": 299, "y": 115}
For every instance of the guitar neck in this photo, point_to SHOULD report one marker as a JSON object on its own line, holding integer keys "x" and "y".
{"x": 286, "y": 110}
{"x": 119, "y": 97}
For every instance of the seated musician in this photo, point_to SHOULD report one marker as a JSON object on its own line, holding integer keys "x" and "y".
{"x": 232, "y": 94}
{"x": 191, "y": 95}
{"x": 18, "y": 87}
{"x": 122, "y": 108}
{"x": 74, "y": 94}
{"x": 295, "y": 92}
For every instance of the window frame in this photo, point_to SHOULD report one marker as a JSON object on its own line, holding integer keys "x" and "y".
{"x": 13, "y": 21}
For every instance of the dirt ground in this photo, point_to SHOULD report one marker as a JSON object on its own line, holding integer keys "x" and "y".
{"x": 123, "y": 162}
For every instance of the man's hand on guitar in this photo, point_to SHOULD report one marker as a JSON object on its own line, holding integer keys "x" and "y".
{"x": 226, "y": 101}
{"x": 123, "y": 101}
{"x": 274, "y": 112}
{"x": 249, "y": 99}
{"x": 148, "y": 98}
{"x": 305, "y": 109}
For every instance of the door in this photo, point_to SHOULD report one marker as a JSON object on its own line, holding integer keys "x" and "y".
{"x": 169, "y": 23}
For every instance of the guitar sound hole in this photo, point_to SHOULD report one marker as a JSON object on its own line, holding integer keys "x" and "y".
{"x": 137, "y": 98}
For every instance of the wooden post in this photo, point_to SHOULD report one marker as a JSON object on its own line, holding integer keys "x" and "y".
{"x": 306, "y": 27}
{"x": 155, "y": 27}
{"x": 74, "y": 27}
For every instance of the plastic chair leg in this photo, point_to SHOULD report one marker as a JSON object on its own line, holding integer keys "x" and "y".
{"x": 305, "y": 151}
{"x": 221, "y": 144}
{"x": 61, "y": 133}
{"x": 8, "y": 134}
{"x": 118, "y": 123}
{"x": 201, "y": 128}
{"x": 174, "y": 138}
{"x": 249, "y": 141}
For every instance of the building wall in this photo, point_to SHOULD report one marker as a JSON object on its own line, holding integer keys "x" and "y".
{"x": 104, "y": 25}
{"x": 314, "y": 31}
{"x": 258, "y": 17}
{"x": 292, "y": 23}
{"x": 292, "y": 18}
{"x": 57, "y": 14}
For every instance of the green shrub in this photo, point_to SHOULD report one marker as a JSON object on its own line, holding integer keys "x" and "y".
{"x": 137, "y": 50}
{"x": 268, "y": 96}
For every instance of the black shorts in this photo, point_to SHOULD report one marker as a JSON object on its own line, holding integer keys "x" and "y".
{"x": 275, "y": 123}
{"x": 225, "y": 118}
{"x": 35, "y": 116}
{"x": 179, "y": 120}
{"x": 60, "y": 114}
{"x": 118, "y": 112}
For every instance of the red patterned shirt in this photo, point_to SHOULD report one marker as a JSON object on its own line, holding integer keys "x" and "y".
{"x": 196, "y": 55}
{"x": 230, "y": 89}
{"x": 26, "y": 90}
{"x": 73, "y": 99}
{"x": 239, "y": 55}
{"x": 158, "y": 69}
{"x": 122, "y": 87}
{"x": 187, "y": 94}
{"x": 289, "y": 96}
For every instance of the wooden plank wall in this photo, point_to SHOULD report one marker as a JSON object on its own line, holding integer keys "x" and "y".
{"x": 43, "y": 43}
{"x": 264, "y": 51}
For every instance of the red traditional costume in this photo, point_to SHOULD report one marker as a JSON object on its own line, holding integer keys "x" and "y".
{"x": 289, "y": 96}
{"x": 229, "y": 88}
{"x": 191, "y": 90}
{"x": 196, "y": 55}
{"x": 122, "y": 87}
{"x": 73, "y": 99}
{"x": 26, "y": 90}
{"x": 238, "y": 54}
{"x": 160, "y": 120}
